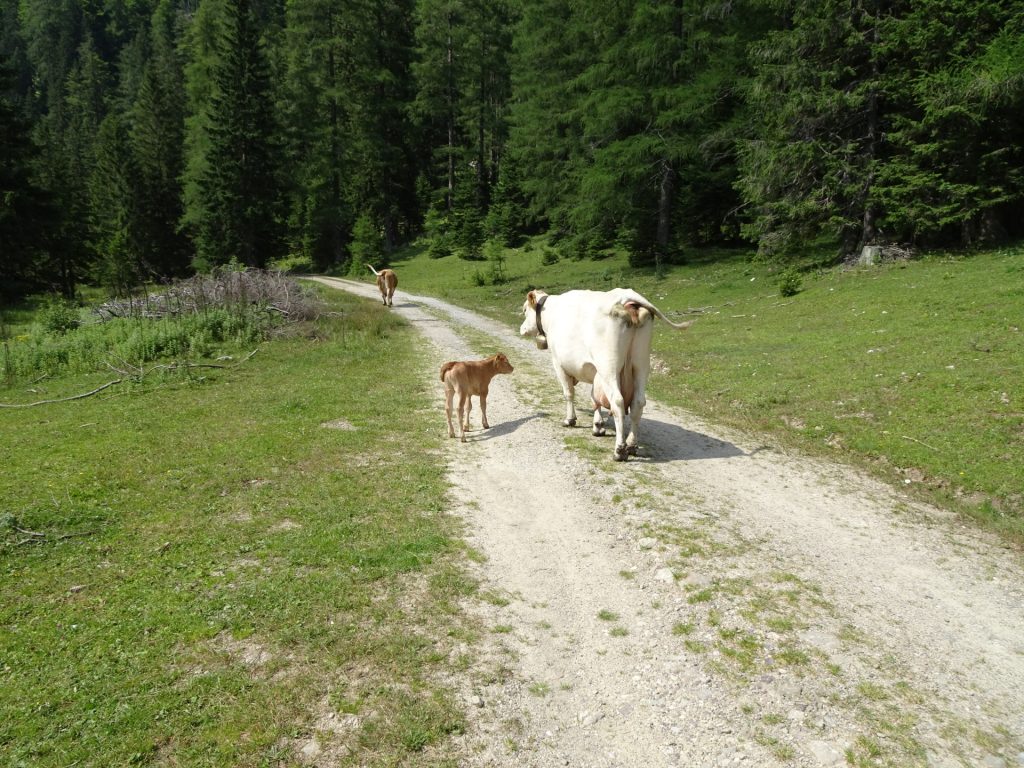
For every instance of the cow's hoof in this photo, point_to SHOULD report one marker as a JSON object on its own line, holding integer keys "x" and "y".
{"x": 621, "y": 453}
{"x": 569, "y": 423}
{"x": 599, "y": 431}
{"x": 632, "y": 449}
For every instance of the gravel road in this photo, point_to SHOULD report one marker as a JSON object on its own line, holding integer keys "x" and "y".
{"x": 716, "y": 601}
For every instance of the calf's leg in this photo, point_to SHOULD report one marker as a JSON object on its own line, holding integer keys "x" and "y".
{"x": 463, "y": 397}
{"x": 449, "y": 394}
{"x": 483, "y": 408}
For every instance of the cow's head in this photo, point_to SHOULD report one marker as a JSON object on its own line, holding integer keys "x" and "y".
{"x": 533, "y": 325}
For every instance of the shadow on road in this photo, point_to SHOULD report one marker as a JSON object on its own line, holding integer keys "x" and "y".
{"x": 500, "y": 430}
{"x": 669, "y": 442}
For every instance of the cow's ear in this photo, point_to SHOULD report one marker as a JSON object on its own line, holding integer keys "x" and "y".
{"x": 531, "y": 299}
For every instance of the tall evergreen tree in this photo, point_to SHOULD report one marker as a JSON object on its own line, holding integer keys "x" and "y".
{"x": 463, "y": 89}
{"x": 198, "y": 47}
{"x": 317, "y": 35}
{"x": 955, "y": 139}
{"x": 157, "y": 137}
{"x": 113, "y": 210}
{"x": 552, "y": 47}
{"x": 25, "y": 210}
{"x": 380, "y": 147}
{"x": 240, "y": 186}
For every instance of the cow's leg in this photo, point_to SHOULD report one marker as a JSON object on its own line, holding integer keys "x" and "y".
{"x": 449, "y": 394}
{"x": 598, "y": 429}
{"x": 483, "y": 409}
{"x": 469, "y": 409}
{"x": 569, "y": 390}
{"x": 636, "y": 410}
{"x": 618, "y": 408}
{"x": 463, "y": 397}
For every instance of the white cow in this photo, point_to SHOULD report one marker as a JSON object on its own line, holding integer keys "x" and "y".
{"x": 603, "y": 338}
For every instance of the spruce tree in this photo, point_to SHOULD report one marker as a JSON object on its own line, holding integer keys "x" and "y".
{"x": 239, "y": 188}
{"x": 157, "y": 133}
{"x": 25, "y": 210}
{"x": 317, "y": 40}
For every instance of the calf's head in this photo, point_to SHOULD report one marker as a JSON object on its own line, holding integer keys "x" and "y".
{"x": 533, "y": 324}
{"x": 501, "y": 364}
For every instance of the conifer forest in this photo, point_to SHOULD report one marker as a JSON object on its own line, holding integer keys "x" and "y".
{"x": 145, "y": 140}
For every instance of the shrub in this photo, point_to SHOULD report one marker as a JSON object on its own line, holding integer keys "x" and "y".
{"x": 790, "y": 282}
{"x": 59, "y": 316}
{"x": 367, "y": 246}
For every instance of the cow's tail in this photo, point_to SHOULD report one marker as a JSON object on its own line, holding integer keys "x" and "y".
{"x": 446, "y": 367}
{"x": 373, "y": 270}
{"x": 659, "y": 313}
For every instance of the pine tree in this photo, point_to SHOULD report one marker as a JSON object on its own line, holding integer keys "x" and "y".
{"x": 463, "y": 89}
{"x": 113, "y": 205}
{"x": 239, "y": 188}
{"x": 380, "y": 146}
{"x": 317, "y": 35}
{"x": 552, "y": 47}
{"x": 953, "y": 170}
{"x": 25, "y": 210}
{"x": 157, "y": 136}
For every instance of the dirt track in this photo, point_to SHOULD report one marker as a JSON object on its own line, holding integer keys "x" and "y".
{"x": 714, "y": 602}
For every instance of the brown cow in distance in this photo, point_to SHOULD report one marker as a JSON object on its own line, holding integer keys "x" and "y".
{"x": 470, "y": 378}
{"x": 387, "y": 281}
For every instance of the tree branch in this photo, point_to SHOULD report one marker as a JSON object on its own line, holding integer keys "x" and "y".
{"x": 62, "y": 399}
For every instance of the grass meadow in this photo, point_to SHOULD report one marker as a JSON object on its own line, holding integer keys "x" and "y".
{"x": 913, "y": 369}
{"x": 215, "y": 567}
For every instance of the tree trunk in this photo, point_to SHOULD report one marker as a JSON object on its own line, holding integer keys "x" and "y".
{"x": 665, "y": 195}
{"x": 666, "y": 189}
{"x": 451, "y": 119}
{"x": 869, "y": 221}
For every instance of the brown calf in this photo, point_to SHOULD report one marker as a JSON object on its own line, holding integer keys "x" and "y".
{"x": 470, "y": 378}
{"x": 387, "y": 281}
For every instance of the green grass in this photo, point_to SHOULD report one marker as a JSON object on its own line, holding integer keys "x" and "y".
{"x": 197, "y": 571}
{"x": 911, "y": 370}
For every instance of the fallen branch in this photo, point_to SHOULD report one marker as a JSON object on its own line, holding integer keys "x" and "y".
{"x": 921, "y": 442}
{"x": 35, "y": 537}
{"x": 141, "y": 374}
{"x": 62, "y": 399}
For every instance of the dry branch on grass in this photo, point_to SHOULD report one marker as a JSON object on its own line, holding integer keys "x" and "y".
{"x": 136, "y": 373}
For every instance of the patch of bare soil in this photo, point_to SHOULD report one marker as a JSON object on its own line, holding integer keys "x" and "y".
{"x": 715, "y": 602}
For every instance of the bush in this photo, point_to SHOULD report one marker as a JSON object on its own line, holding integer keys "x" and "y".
{"x": 790, "y": 282}
{"x": 297, "y": 264}
{"x": 59, "y": 316}
{"x": 367, "y": 246}
{"x": 440, "y": 246}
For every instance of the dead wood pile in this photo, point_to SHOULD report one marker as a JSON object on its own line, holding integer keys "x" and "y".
{"x": 269, "y": 290}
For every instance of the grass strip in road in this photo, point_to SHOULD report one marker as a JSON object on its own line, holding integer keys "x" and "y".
{"x": 235, "y": 568}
